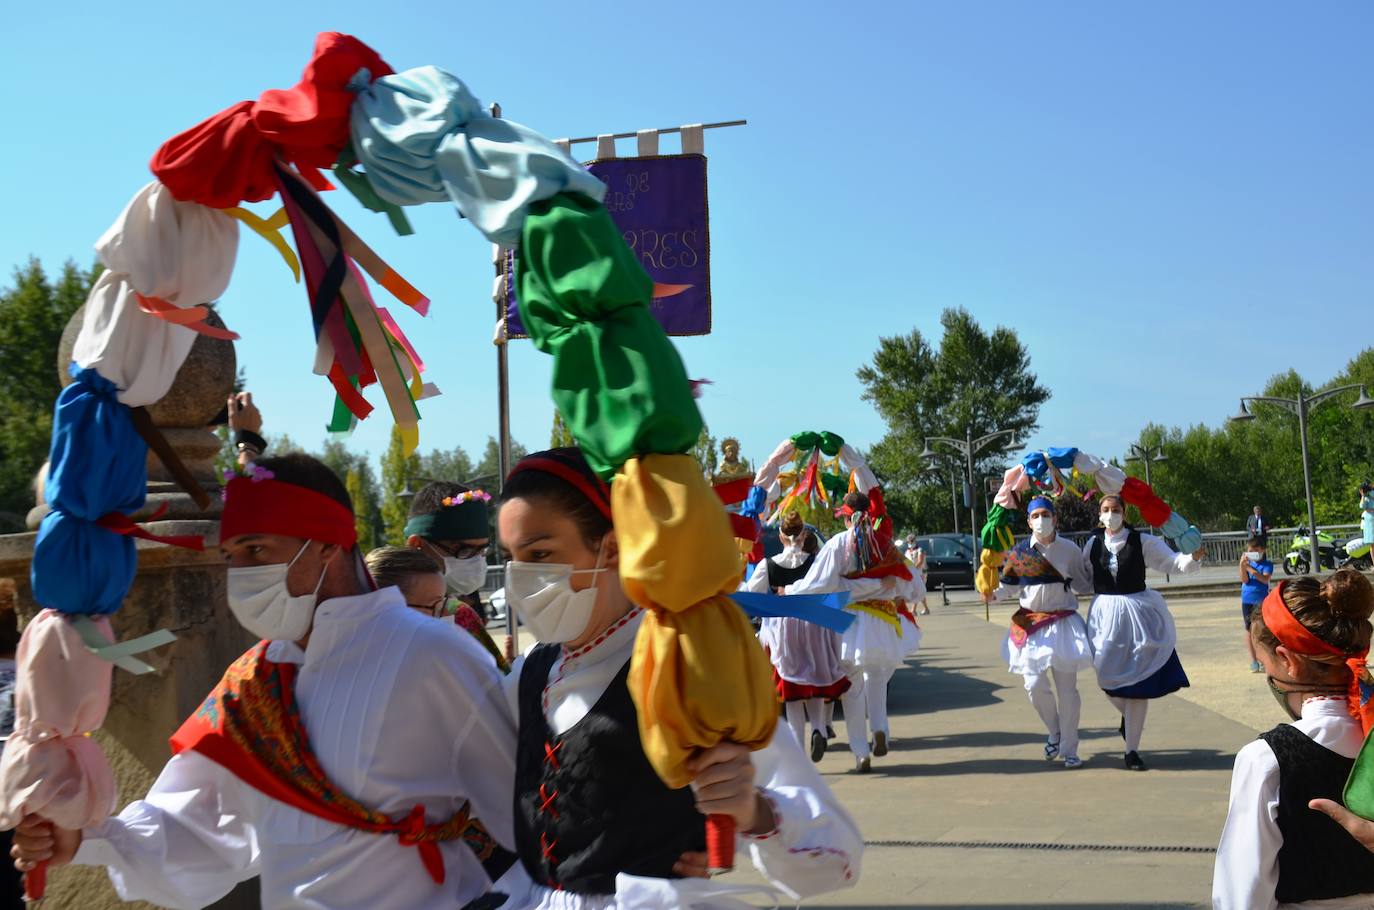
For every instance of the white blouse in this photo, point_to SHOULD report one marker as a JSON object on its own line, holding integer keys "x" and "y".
{"x": 1247, "y": 866}
{"x": 400, "y": 710}
{"x": 827, "y": 573}
{"x": 1048, "y": 598}
{"x": 1158, "y": 555}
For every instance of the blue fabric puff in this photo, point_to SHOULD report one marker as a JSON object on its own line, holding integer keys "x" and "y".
{"x": 97, "y": 464}
{"x": 1036, "y": 466}
{"x": 1175, "y": 527}
{"x": 421, "y": 136}
{"x": 1062, "y": 458}
{"x": 754, "y": 503}
{"x": 1190, "y": 541}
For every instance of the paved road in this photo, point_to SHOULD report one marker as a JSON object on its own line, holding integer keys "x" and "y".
{"x": 967, "y": 770}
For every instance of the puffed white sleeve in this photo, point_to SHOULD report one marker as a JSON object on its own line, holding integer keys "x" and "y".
{"x": 826, "y": 572}
{"x": 757, "y": 583}
{"x": 1160, "y": 557}
{"x": 186, "y": 844}
{"x": 1247, "y": 867}
{"x": 815, "y": 845}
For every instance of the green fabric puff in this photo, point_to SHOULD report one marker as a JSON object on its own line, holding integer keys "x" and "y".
{"x": 830, "y": 443}
{"x": 996, "y": 530}
{"x": 806, "y": 441}
{"x": 583, "y": 297}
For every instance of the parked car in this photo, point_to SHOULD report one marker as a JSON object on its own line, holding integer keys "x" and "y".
{"x": 772, "y": 546}
{"x": 949, "y": 560}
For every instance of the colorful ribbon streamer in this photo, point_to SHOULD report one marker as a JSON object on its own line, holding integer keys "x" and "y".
{"x": 818, "y": 609}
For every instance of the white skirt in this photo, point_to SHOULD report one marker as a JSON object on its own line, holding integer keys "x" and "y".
{"x": 636, "y": 893}
{"x": 911, "y": 637}
{"x": 871, "y": 644}
{"x": 1132, "y": 636}
{"x": 1062, "y": 645}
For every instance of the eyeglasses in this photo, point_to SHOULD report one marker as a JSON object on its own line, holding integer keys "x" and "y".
{"x": 483, "y": 550}
{"x": 441, "y": 607}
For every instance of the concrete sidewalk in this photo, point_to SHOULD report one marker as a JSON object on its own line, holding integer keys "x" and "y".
{"x": 967, "y": 769}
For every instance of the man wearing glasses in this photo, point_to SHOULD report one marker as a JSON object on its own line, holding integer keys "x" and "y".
{"x": 451, "y": 524}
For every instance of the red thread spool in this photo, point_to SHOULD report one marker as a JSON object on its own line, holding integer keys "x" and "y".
{"x": 720, "y": 843}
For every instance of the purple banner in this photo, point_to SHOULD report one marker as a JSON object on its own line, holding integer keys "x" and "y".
{"x": 659, "y": 204}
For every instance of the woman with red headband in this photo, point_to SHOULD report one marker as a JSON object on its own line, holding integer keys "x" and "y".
{"x": 336, "y": 758}
{"x": 594, "y": 824}
{"x": 1312, "y": 638}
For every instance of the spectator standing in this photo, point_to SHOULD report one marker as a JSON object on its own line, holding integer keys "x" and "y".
{"x": 1258, "y": 525}
{"x": 1255, "y": 572}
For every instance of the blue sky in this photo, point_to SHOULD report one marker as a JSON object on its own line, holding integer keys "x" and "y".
{"x": 1169, "y": 202}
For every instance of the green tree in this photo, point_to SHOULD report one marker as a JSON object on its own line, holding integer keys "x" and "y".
{"x": 560, "y": 437}
{"x": 361, "y": 481}
{"x": 33, "y": 313}
{"x": 399, "y": 471}
{"x": 705, "y": 451}
{"x": 976, "y": 381}
{"x": 453, "y": 465}
{"x": 490, "y": 465}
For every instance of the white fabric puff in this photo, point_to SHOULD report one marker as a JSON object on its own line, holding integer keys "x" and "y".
{"x": 180, "y": 252}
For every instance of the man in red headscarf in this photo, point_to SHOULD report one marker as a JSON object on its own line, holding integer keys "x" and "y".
{"x": 335, "y": 759}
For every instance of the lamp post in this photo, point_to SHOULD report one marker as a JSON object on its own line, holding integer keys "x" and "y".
{"x": 1149, "y": 455}
{"x": 969, "y": 448}
{"x": 1302, "y": 406}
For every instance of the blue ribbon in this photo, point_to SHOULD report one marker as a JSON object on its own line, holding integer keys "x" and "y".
{"x": 819, "y": 609}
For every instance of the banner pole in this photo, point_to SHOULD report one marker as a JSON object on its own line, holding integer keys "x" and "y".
{"x": 503, "y": 407}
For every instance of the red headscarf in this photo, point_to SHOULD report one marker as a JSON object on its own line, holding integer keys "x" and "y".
{"x": 254, "y": 506}
{"x": 1297, "y": 638}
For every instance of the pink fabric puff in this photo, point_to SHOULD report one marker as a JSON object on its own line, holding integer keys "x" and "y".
{"x": 50, "y": 766}
{"x": 1013, "y": 482}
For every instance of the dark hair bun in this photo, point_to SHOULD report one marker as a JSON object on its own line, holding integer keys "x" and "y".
{"x": 792, "y": 524}
{"x": 1348, "y": 593}
{"x": 857, "y": 502}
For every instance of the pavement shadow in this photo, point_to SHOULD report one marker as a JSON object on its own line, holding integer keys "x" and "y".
{"x": 1124, "y": 905}
{"x": 931, "y": 683}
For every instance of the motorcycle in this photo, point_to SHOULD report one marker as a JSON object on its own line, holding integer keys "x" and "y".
{"x": 1358, "y": 554}
{"x": 1299, "y": 558}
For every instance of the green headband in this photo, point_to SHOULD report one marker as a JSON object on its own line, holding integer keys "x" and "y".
{"x": 464, "y": 521}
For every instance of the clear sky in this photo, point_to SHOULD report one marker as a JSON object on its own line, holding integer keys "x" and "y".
{"x": 1169, "y": 201}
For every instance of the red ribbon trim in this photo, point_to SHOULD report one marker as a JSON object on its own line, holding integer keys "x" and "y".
{"x": 734, "y": 491}
{"x": 120, "y": 523}
{"x": 191, "y": 317}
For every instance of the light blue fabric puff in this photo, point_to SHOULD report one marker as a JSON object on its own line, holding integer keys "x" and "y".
{"x": 421, "y": 136}
{"x": 97, "y": 465}
{"x": 1190, "y": 541}
{"x": 1175, "y": 527}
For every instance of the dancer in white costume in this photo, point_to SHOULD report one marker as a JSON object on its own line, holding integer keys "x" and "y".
{"x": 878, "y": 580}
{"x": 1129, "y": 625}
{"x": 805, "y": 656}
{"x": 1048, "y": 639}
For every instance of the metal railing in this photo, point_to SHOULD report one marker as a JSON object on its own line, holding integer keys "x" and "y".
{"x": 1227, "y": 546}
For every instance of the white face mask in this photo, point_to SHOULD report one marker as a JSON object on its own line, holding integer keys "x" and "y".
{"x": 1043, "y": 526}
{"x": 1113, "y": 521}
{"x": 259, "y": 601}
{"x": 465, "y": 575}
{"x": 542, "y": 595}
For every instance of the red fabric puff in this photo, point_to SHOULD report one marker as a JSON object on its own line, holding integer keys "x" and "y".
{"x": 1154, "y": 510}
{"x": 227, "y": 159}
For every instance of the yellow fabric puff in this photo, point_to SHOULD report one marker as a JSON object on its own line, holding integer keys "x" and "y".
{"x": 988, "y": 578}
{"x": 676, "y": 546}
{"x": 699, "y": 678}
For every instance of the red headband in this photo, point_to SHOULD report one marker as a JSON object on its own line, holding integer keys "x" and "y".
{"x": 1292, "y": 634}
{"x": 594, "y": 488}
{"x": 275, "y": 507}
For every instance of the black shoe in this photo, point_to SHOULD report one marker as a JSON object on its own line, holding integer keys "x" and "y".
{"x": 879, "y": 743}
{"x": 1122, "y": 729}
{"x": 1134, "y": 762}
{"x": 829, "y": 732}
{"x": 817, "y": 745}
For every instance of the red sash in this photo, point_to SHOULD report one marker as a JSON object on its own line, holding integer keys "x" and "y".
{"x": 251, "y": 726}
{"x": 1024, "y": 622}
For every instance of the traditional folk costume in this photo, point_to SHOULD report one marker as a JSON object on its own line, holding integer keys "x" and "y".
{"x": 1129, "y": 625}
{"x": 875, "y": 644}
{"x": 1048, "y": 639}
{"x": 592, "y": 817}
{"x": 806, "y": 657}
{"x": 345, "y": 775}
{"x": 1275, "y": 852}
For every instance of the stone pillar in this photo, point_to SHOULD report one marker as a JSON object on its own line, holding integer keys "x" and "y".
{"x": 176, "y": 589}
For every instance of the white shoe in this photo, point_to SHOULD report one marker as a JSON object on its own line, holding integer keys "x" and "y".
{"x": 1072, "y": 761}
{"x": 863, "y": 765}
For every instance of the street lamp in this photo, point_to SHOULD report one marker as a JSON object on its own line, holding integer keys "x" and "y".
{"x": 1302, "y": 406}
{"x": 968, "y": 447}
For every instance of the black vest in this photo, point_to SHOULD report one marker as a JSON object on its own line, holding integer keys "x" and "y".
{"x": 1318, "y": 859}
{"x": 781, "y": 577}
{"x": 588, "y": 804}
{"x": 1130, "y": 565}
